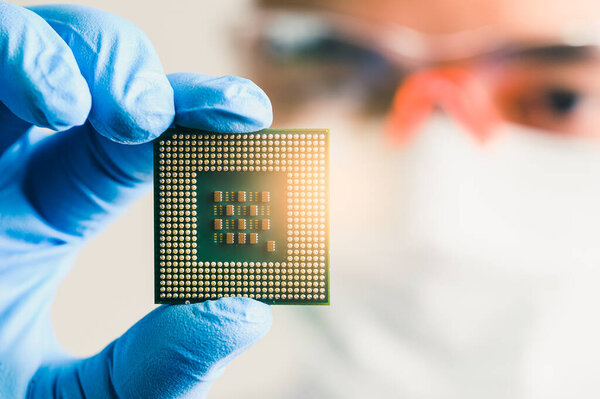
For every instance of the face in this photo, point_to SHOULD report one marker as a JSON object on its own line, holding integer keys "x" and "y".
{"x": 548, "y": 95}
{"x": 462, "y": 231}
{"x": 521, "y": 53}
{"x": 522, "y": 191}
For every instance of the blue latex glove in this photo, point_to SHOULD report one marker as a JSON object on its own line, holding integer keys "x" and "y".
{"x": 97, "y": 79}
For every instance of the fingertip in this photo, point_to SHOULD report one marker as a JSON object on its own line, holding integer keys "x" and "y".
{"x": 138, "y": 114}
{"x": 40, "y": 80}
{"x": 227, "y": 104}
{"x": 132, "y": 98}
{"x": 239, "y": 321}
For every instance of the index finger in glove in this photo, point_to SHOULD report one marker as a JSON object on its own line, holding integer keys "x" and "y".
{"x": 40, "y": 82}
{"x": 132, "y": 100}
{"x": 79, "y": 180}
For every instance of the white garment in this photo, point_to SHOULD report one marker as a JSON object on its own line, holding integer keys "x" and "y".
{"x": 457, "y": 272}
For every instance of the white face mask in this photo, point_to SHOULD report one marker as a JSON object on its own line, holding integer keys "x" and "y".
{"x": 526, "y": 198}
{"x": 454, "y": 263}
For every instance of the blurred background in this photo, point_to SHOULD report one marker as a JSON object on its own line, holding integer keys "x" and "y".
{"x": 465, "y": 186}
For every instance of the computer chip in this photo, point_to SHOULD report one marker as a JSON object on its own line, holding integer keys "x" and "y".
{"x": 242, "y": 215}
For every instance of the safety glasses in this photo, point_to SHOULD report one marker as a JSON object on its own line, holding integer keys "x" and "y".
{"x": 479, "y": 77}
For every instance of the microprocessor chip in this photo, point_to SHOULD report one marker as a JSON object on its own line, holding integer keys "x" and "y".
{"x": 242, "y": 215}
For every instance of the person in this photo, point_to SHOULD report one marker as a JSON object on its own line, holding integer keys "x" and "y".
{"x": 96, "y": 79}
{"x": 465, "y": 173}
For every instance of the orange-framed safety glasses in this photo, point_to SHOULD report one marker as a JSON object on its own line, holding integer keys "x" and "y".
{"x": 551, "y": 83}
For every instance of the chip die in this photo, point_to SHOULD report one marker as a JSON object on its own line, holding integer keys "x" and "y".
{"x": 242, "y": 215}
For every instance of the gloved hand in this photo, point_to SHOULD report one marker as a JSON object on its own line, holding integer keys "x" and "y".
{"x": 97, "y": 79}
